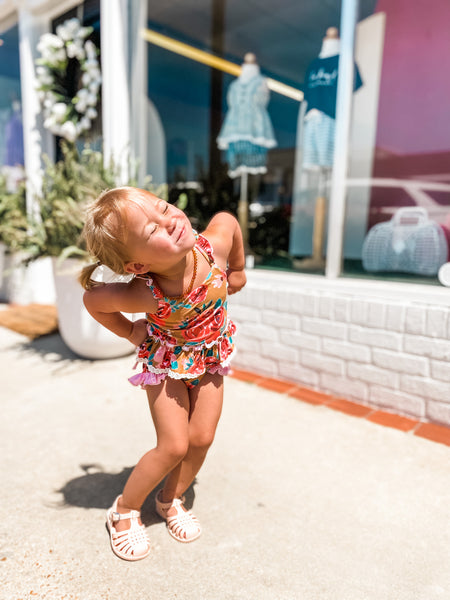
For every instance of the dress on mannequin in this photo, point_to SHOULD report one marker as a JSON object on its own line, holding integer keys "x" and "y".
{"x": 247, "y": 131}
{"x": 320, "y": 93}
{"x": 315, "y": 145}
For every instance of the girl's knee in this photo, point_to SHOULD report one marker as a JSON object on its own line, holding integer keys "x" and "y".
{"x": 174, "y": 451}
{"x": 201, "y": 439}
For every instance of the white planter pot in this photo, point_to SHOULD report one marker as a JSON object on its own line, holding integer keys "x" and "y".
{"x": 29, "y": 284}
{"x": 2, "y": 270}
{"x": 80, "y": 332}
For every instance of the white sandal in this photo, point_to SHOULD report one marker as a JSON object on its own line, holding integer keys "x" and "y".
{"x": 131, "y": 544}
{"x": 183, "y": 526}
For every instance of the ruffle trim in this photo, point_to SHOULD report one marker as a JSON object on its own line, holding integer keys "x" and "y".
{"x": 243, "y": 169}
{"x": 224, "y": 142}
{"x": 194, "y": 347}
{"x": 154, "y": 376}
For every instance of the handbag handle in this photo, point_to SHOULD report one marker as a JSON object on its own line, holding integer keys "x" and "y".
{"x": 410, "y": 215}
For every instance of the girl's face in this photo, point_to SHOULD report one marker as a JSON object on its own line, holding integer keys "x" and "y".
{"x": 159, "y": 236}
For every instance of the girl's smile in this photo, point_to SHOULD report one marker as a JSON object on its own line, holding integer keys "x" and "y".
{"x": 159, "y": 236}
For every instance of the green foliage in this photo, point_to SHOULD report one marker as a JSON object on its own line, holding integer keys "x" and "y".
{"x": 68, "y": 186}
{"x": 14, "y": 229}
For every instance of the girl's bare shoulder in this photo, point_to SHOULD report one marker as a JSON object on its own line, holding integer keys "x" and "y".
{"x": 134, "y": 296}
{"x": 219, "y": 233}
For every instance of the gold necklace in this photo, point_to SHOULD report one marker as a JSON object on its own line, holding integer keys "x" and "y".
{"x": 194, "y": 274}
{"x": 191, "y": 284}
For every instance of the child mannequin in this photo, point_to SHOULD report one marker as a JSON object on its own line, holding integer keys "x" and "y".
{"x": 185, "y": 343}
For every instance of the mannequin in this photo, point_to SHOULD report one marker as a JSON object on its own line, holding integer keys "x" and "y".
{"x": 247, "y": 131}
{"x": 249, "y": 68}
{"x": 331, "y": 44}
{"x": 317, "y": 123}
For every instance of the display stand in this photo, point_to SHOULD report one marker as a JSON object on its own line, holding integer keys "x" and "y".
{"x": 317, "y": 260}
{"x": 243, "y": 208}
{"x": 242, "y": 214}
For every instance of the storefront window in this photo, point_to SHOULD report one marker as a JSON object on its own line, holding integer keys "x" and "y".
{"x": 11, "y": 130}
{"x": 192, "y": 110}
{"x": 398, "y": 201}
{"x": 237, "y": 141}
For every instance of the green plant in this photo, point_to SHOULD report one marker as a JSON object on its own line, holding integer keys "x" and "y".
{"x": 14, "y": 228}
{"x": 67, "y": 187}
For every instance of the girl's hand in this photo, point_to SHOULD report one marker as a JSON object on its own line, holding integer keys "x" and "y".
{"x": 138, "y": 332}
{"x": 236, "y": 280}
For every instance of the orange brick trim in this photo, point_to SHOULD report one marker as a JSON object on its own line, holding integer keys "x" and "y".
{"x": 436, "y": 433}
{"x": 430, "y": 431}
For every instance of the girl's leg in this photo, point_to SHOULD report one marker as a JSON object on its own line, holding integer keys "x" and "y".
{"x": 169, "y": 405}
{"x": 205, "y": 408}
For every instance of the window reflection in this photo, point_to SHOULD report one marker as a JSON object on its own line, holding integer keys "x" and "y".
{"x": 399, "y": 176}
{"x": 398, "y": 145}
{"x": 11, "y": 129}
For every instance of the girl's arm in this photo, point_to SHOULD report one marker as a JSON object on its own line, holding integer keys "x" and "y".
{"x": 225, "y": 235}
{"x": 105, "y": 304}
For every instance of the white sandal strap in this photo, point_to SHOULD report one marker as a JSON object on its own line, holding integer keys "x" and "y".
{"x": 134, "y": 514}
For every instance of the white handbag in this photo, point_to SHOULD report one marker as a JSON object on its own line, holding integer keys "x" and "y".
{"x": 409, "y": 242}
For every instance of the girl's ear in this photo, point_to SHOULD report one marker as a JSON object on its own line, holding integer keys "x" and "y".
{"x": 136, "y": 268}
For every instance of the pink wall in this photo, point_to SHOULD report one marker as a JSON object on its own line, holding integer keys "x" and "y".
{"x": 414, "y": 108}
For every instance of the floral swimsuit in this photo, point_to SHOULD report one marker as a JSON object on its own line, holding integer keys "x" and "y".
{"x": 190, "y": 335}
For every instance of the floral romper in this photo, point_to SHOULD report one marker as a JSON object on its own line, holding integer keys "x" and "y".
{"x": 190, "y": 335}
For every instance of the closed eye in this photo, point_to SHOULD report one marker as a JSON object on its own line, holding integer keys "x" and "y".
{"x": 162, "y": 206}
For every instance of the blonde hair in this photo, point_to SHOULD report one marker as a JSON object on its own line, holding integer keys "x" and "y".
{"x": 105, "y": 231}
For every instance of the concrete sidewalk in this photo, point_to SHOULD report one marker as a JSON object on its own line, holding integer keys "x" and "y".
{"x": 296, "y": 501}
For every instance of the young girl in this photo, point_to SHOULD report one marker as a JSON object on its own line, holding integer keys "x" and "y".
{"x": 185, "y": 343}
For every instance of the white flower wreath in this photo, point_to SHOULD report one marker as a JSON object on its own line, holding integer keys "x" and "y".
{"x": 65, "y": 115}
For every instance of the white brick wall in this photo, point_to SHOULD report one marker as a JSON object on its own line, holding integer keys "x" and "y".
{"x": 383, "y": 345}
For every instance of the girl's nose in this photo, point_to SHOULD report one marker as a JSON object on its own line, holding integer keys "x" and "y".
{"x": 170, "y": 223}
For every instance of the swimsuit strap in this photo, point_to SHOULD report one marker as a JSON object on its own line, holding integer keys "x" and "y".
{"x": 205, "y": 248}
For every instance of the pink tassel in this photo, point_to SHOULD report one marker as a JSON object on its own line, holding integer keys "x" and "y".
{"x": 147, "y": 378}
{"x": 159, "y": 354}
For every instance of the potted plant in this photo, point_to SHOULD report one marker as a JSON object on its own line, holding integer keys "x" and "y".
{"x": 16, "y": 246}
{"x": 67, "y": 187}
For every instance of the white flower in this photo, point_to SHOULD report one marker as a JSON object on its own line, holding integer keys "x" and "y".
{"x": 91, "y": 65}
{"x": 48, "y": 41}
{"x": 45, "y": 79}
{"x": 83, "y": 32}
{"x": 83, "y": 93}
{"x": 91, "y": 113}
{"x": 71, "y": 50}
{"x": 48, "y": 102}
{"x": 68, "y": 30}
{"x": 94, "y": 87}
{"x": 91, "y": 50}
{"x": 49, "y": 123}
{"x": 59, "y": 110}
{"x": 81, "y": 106}
{"x": 69, "y": 43}
{"x": 92, "y": 100}
{"x": 69, "y": 131}
{"x": 85, "y": 123}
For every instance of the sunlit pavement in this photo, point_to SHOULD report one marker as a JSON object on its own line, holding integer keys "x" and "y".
{"x": 297, "y": 501}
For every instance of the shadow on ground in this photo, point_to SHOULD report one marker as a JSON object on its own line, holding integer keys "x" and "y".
{"x": 98, "y": 489}
{"x": 51, "y": 345}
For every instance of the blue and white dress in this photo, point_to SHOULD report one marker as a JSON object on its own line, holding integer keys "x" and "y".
{"x": 247, "y": 131}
